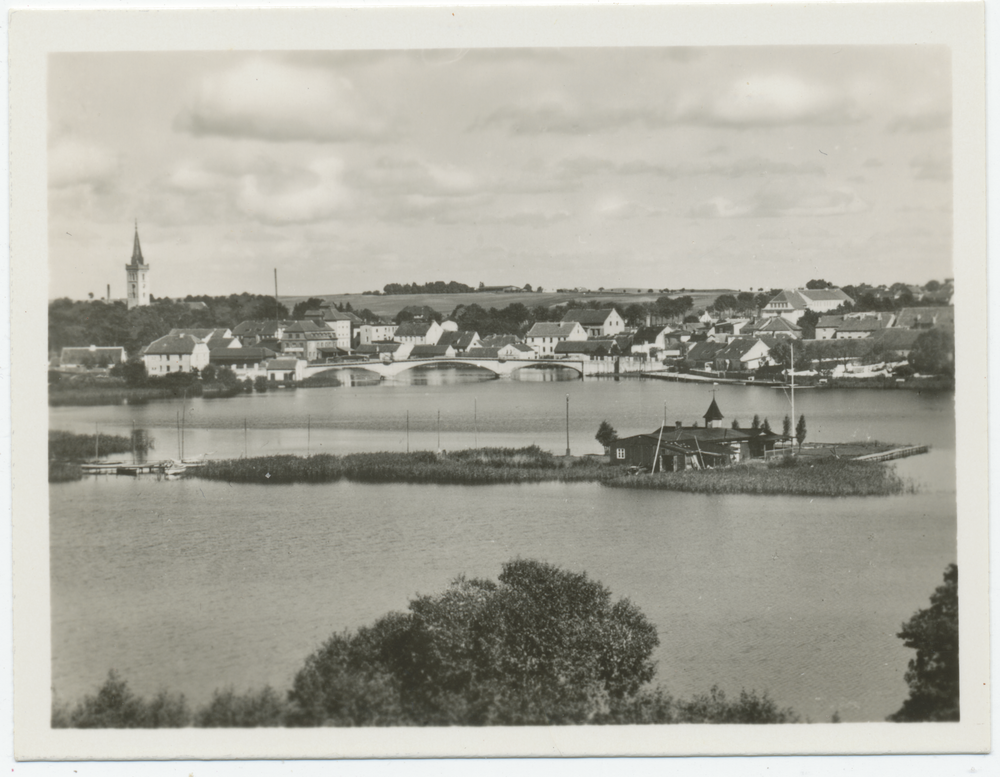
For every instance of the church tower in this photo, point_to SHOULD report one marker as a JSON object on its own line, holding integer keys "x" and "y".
{"x": 136, "y": 282}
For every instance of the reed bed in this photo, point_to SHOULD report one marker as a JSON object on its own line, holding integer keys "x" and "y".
{"x": 473, "y": 467}
{"x": 109, "y": 395}
{"x": 67, "y": 450}
{"x": 828, "y": 477}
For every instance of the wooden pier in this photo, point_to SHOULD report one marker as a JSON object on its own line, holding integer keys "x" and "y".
{"x": 895, "y": 453}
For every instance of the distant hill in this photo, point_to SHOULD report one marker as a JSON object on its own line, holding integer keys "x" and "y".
{"x": 390, "y": 305}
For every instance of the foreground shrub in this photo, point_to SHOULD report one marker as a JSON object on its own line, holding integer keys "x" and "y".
{"x": 540, "y": 646}
{"x": 115, "y": 706}
{"x": 933, "y": 673}
{"x": 713, "y": 707}
{"x": 250, "y": 710}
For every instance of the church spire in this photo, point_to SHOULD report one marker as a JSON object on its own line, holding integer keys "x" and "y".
{"x": 136, "y": 249}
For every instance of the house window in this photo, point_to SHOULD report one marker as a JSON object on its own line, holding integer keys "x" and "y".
{"x": 620, "y": 453}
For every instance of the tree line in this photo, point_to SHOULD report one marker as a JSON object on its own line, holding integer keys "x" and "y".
{"x": 539, "y": 646}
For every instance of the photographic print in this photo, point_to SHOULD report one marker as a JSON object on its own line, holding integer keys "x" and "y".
{"x": 586, "y": 386}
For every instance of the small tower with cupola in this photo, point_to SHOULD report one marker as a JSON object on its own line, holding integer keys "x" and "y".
{"x": 713, "y": 418}
{"x": 136, "y": 276}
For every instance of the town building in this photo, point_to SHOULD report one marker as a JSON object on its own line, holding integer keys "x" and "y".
{"x": 286, "y": 369}
{"x": 743, "y": 354}
{"x": 419, "y": 333}
{"x": 254, "y": 332}
{"x": 436, "y": 351}
{"x": 175, "y": 353}
{"x": 249, "y": 362}
{"x": 593, "y": 350}
{"x": 926, "y": 318}
{"x": 342, "y": 323}
{"x": 791, "y": 304}
{"x": 543, "y": 337}
{"x": 459, "y": 340}
{"x": 305, "y": 339}
{"x": 853, "y": 326}
{"x": 376, "y": 333}
{"x": 92, "y": 356}
{"x": 516, "y": 351}
{"x": 136, "y": 276}
{"x": 596, "y": 323}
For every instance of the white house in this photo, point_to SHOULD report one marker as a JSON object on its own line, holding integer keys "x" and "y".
{"x": 792, "y": 304}
{"x": 376, "y": 333}
{"x": 422, "y": 333}
{"x": 175, "y": 353}
{"x": 596, "y": 323}
{"x": 516, "y": 351}
{"x": 285, "y": 368}
{"x": 544, "y": 337}
{"x": 92, "y": 356}
{"x": 250, "y": 362}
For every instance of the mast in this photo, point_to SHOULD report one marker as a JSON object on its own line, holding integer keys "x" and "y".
{"x": 791, "y": 351}
{"x": 656, "y": 453}
{"x": 567, "y": 426}
{"x": 276, "y": 316}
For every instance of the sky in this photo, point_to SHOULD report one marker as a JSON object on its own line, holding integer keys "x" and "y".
{"x": 718, "y": 167}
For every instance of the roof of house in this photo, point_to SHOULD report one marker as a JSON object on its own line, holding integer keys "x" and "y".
{"x": 739, "y": 347}
{"x": 285, "y": 363}
{"x": 552, "y": 329}
{"x": 777, "y": 324}
{"x": 704, "y": 351}
{"x": 909, "y": 318}
{"x": 520, "y": 347}
{"x": 256, "y": 328}
{"x": 588, "y": 317}
{"x": 252, "y": 353}
{"x": 648, "y": 334}
{"x": 460, "y": 340}
{"x": 829, "y": 322}
{"x": 420, "y": 310}
{"x": 412, "y": 329}
{"x": 172, "y": 344}
{"x": 861, "y": 325}
{"x": 484, "y": 353}
{"x": 378, "y": 348}
{"x": 704, "y": 434}
{"x": 590, "y": 347}
{"x": 298, "y": 327}
{"x": 201, "y": 334}
{"x": 498, "y": 341}
{"x": 824, "y": 295}
{"x": 895, "y": 339}
{"x": 420, "y": 351}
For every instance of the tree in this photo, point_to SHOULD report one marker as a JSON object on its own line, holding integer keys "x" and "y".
{"x": 750, "y": 708}
{"x": 736, "y": 423}
{"x": 933, "y": 353}
{"x": 539, "y": 646}
{"x": 208, "y": 373}
{"x": 755, "y": 424}
{"x": 301, "y": 308}
{"x": 260, "y": 383}
{"x": 933, "y": 672}
{"x": 766, "y": 428}
{"x": 786, "y": 427}
{"x": 606, "y": 435}
{"x": 115, "y": 706}
{"x": 800, "y": 431}
{"x": 819, "y": 284}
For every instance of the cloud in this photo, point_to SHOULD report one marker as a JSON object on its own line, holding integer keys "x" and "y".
{"x": 295, "y": 196}
{"x": 784, "y": 202}
{"x": 931, "y": 167}
{"x": 921, "y": 122}
{"x": 872, "y": 162}
{"x": 619, "y": 208}
{"x": 580, "y": 167}
{"x": 277, "y": 101}
{"x": 769, "y": 100}
{"x": 406, "y": 175}
{"x": 78, "y": 163}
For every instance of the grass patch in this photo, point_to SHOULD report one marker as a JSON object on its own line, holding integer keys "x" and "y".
{"x": 67, "y": 450}
{"x": 790, "y": 476}
{"x": 468, "y": 467}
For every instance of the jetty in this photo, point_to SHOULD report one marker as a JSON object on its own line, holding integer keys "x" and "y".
{"x": 895, "y": 453}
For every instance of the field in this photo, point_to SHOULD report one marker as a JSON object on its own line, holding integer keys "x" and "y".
{"x": 390, "y": 305}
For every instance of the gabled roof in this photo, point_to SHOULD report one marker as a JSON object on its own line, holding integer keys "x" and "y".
{"x": 704, "y": 434}
{"x": 704, "y": 351}
{"x": 301, "y": 327}
{"x": 824, "y": 295}
{"x": 520, "y": 347}
{"x": 777, "y": 324}
{"x": 909, "y": 318}
{"x": 413, "y": 330}
{"x": 648, "y": 334}
{"x": 861, "y": 325}
{"x": 498, "y": 341}
{"x": 172, "y": 344}
{"x": 829, "y": 322}
{"x": 201, "y": 334}
{"x": 789, "y": 297}
{"x": 429, "y": 350}
{"x": 459, "y": 340}
{"x": 378, "y": 348}
{"x": 257, "y": 328}
{"x": 589, "y": 347}
{"x": 548, "y": 329}
{"x": 895, "y": 339}
{"x": 483, "y": 353}
{"x": 588, "y": 317}
{"x": 739, "y": 347}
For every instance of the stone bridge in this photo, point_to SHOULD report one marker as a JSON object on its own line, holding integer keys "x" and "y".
{"x": 503, "y": 368}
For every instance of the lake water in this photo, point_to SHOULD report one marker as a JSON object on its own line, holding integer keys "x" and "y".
{"x": 194, "y": 585}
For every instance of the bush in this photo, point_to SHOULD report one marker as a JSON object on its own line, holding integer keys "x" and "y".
{"x": 115, "y": 706}
{"x": 540, "y": 646}
{"x": 260, "y": 384}
{"x": 252, "y": 709}
{"x": 749, "y": 708}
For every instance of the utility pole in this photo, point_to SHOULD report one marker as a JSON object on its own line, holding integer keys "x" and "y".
{"x": 475, "y": 420}
{"x": 567, "y": 426}
{"x": 407, "y": 431}
{"x": 308, "y": 434}
{"x": 439, "y": 431}
{"x": 791, "y": 352}
{"x": 276, "y": 316}
{"x": 244, "y": 437}
{"x": 97, "y": 441}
